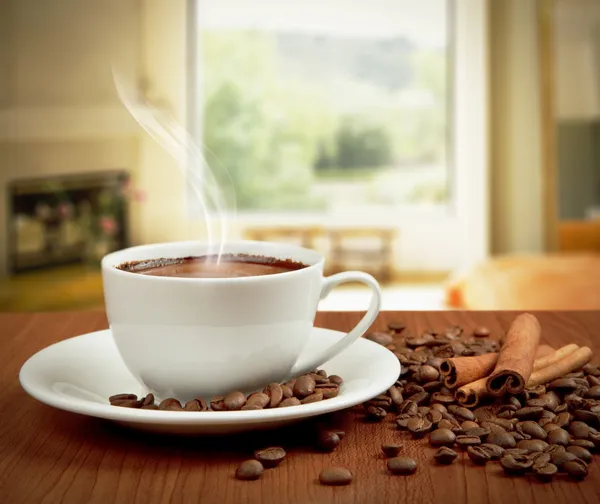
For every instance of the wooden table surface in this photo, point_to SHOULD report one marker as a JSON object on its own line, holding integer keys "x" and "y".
{"x": 51, "y": 456}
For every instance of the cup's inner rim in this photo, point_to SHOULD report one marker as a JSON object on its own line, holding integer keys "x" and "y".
{"x": 178, "y": 250}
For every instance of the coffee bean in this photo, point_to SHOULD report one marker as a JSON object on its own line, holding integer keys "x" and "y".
{"x": 335, "y": 476}
{"x": 170, "y": 404}
{"x": 396, "y": 326}
{"x": 270, "y": 457}
{"x": 529, "y": 413}
{"x": 433, "y": 386}
{"x": 442, "y": 437}
{"x": 402, "y": 465}
{"x": 217, "y": 403}
{"x": 439, "y": 397}
{"x": 554, "y": 448}
{"x": 532, "y": 445}
{"x": 588, "y": 417}
{"x": 391, "y": 449}
{"x": 383, "y": 401}
{"x": 375, "y": 414}
{"x": 256, "y": 401}
{"x": 562, "y": 385}
{"x": 287, "y": 392}
{"x": 274, "y": 392}
{"x": 480, "y": 432}
{"x": 449, "y": 424}
{"x": 484, "y": 414}
{"x": 380, "y": 337}
{"x": 591, "y": 369}
{"x": 468, "y": 424}
{"x": 559, "y": 437}
{"x": 418, "y": 426}
{"x": 560, "y": 457}
{"x": 329, "y": 390}
{"x": 576, "y": 469}
{"x": 481, "y": 332}
{"x": 395, "y": 395}
{"x": 593, "y": 380}
{"x": 234, "y": 401}
{"x": 584, "y": 443}
{"x": 579, "y": 429}
{"x": 122, "y": 397}
{"x": 561, "y": 408}
{"x": 502, "y": 439}
{"x": 540, "y": 458}
{"x": 328, "y": 441}
{"x": 249, "y": 470}
{"x": 531, "y": 429}
{"x": 580, "y": 453}
{"x": 439, "y": 407}
{"x": 594, "y": 437}
{"x": 461, "y": 413}
{"x": 423, "y": 411}
{"x": 495, "y": 452}
{"x": 316, "y": 397}
{"x": 289, "y": 401}
{"x": 519, "y": 437}
{"x": 304, "y": 386}
{"x": 550, "y": 427}
{"x": 319, "y": 380}
{"x": 477, "y": 455}
{"x": 552, "y": 400}
{"x": 492, "y": 427}
{"x": 515, "y": 464}
{"x": 536, "y": 402}
{"x": 465, "y": 441}
{"x": 408, "y": 408}
{"x": 445, "y": 455}
{"x": 434, "y": 416}
{"x": 148, "y": 400}
{"x": 507, "y": 425}
{"x": 428, "y": 374}
{"x": 517, "y": 452}
{"x": 544, "y": 472}
{"x": 419, "y": 398}
{"x": 193, "y": 405}
{"x": 402, "y": 420}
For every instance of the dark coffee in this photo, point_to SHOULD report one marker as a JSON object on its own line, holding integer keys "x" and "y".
{"x": 229, "y": 266}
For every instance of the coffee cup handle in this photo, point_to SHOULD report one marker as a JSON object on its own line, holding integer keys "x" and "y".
{"x": 311, "y": 362}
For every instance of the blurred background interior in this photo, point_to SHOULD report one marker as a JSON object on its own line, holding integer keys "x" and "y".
{"x": 450, "y": 147}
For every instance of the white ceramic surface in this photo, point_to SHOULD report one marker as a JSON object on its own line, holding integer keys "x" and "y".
{"x": 185, "y": 337}
{"x": 79, "y": 374}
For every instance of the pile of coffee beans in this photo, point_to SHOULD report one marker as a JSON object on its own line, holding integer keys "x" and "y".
{"x": 552, "y": 429}
{"x": 305, "y": 389}
{"x": 547, "y": 430}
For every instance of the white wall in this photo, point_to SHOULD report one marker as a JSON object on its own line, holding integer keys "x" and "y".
{"x": 55, "y": 68}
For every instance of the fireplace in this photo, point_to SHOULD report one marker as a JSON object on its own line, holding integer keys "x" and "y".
{"x": 66, "y": 219}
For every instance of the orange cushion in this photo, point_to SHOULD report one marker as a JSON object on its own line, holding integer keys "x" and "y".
{"x": 529, "y": 282}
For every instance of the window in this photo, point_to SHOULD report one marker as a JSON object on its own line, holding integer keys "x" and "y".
{"x": 323, "y": 105}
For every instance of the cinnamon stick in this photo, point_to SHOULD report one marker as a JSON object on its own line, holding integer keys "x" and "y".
{"x": 515, "y": 362}
{"x": 553, "y": 357}
{"x": 471, "y": 393}
{"x": 567, "y": 364}
{"x": 459, "y": 371}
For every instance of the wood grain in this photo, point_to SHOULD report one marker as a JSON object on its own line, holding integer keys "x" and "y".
{"x": 51, "y": 456}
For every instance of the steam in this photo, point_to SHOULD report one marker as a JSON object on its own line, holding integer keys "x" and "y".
{"x": 176, "y": 140}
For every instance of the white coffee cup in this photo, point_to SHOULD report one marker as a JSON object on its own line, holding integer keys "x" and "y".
{"x": 191, "y": 337}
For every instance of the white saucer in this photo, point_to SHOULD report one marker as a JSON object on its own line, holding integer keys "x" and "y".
{"x": 79, "y": 374}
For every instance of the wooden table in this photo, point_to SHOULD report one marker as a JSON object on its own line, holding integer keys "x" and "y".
{"x": 51, "y": 456}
